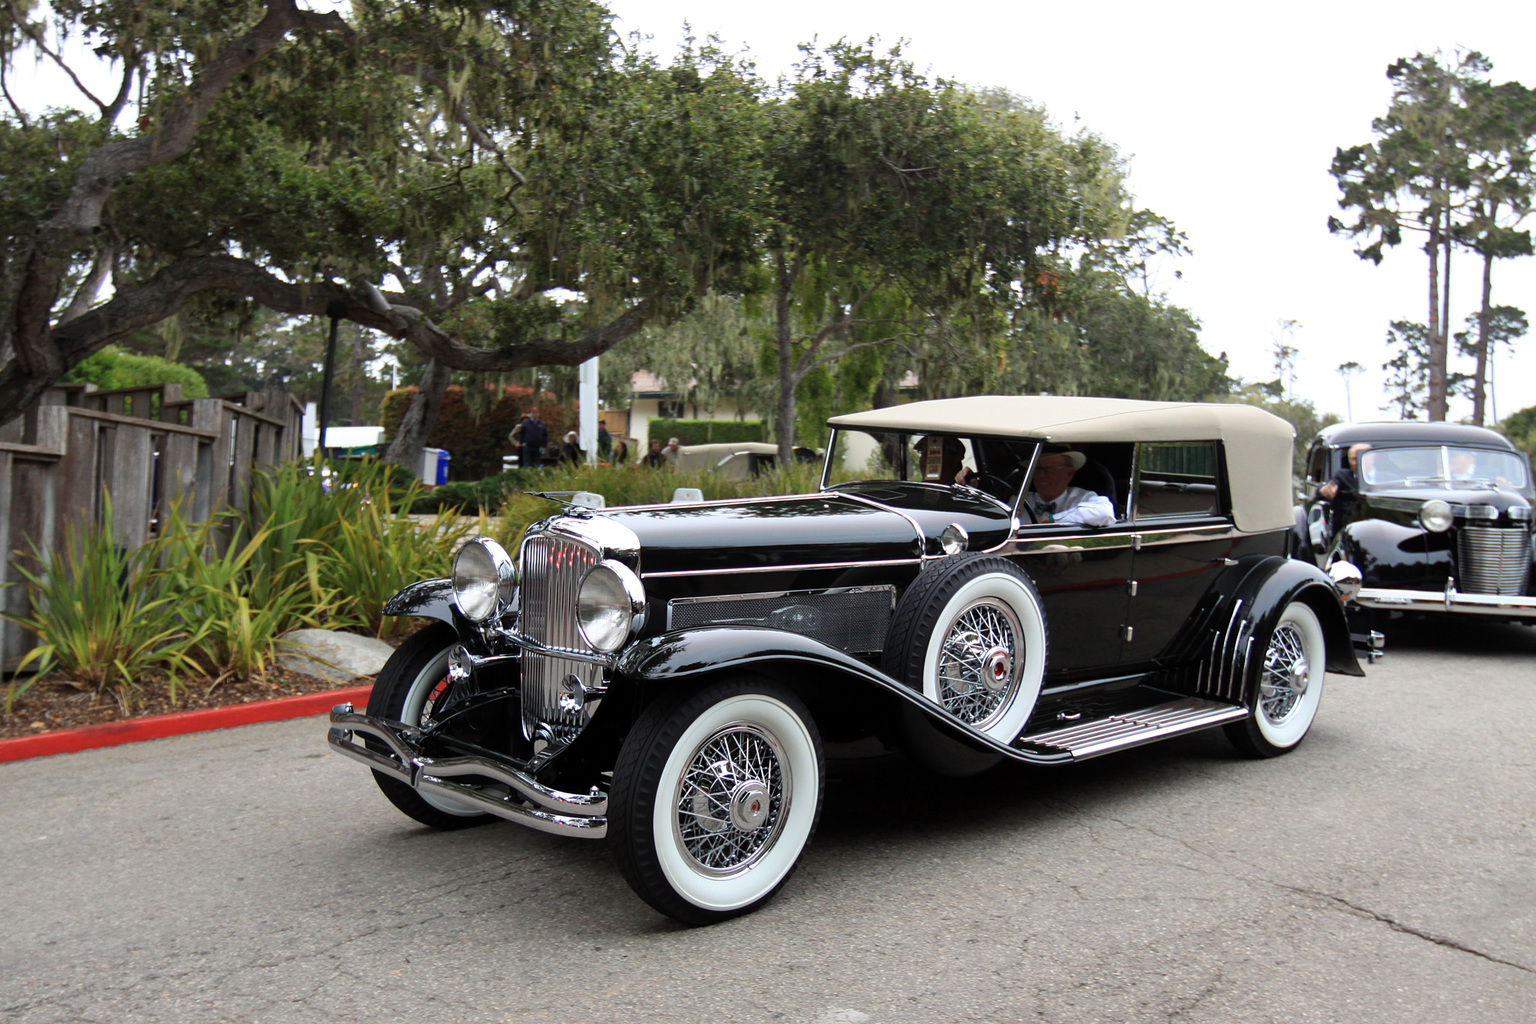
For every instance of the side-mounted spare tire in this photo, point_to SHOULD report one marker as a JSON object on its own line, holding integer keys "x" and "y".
{"x": 969, "y": 634}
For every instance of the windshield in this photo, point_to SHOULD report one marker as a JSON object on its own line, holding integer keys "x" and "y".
{"x": 991, "y": 464}
{"x": 1445, "y": 466}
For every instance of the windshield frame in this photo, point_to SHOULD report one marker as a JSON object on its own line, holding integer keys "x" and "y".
{"x": 1444, "y": 476}
{"x": 973, "y": 458}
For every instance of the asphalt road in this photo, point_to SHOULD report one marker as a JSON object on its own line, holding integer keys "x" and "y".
{"x": 1385, "y": 871}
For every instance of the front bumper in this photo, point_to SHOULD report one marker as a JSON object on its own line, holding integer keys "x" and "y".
{"x": 1504, "y": 606}
{"x": 494, "y": 787}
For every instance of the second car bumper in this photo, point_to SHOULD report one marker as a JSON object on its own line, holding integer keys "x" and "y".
{"x": 1510, "y": 606}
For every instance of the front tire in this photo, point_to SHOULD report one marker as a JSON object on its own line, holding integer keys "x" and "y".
{"x": 716, "y": 793}
{"x": 412, "y": 681}
{"x": 1290, "y": 686}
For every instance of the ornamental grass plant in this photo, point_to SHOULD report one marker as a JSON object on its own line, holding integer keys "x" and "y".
{"x": 104, "y": 618}
{"x": 211, "y": 600}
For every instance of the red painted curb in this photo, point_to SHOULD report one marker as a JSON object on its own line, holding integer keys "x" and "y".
{"x": 177, "y": 723}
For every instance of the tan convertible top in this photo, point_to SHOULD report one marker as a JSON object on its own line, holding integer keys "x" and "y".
{"x": 1258, "y": 444}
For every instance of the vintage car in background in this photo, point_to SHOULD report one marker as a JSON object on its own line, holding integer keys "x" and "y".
{"x": 669, "y": 678}
{"x": 741, "y": 460}
{"x": 1439, "y": 519}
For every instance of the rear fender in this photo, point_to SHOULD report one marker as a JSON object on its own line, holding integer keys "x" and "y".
{"x": 1271, "y": 584}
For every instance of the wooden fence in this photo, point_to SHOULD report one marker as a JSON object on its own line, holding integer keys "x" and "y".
{"x": 144, "y": 447}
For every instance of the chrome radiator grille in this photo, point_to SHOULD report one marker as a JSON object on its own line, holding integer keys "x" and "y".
{"x": 552, "y": 568}
{"x": 1494, "y": 561}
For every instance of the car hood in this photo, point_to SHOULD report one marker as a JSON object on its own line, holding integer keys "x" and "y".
{"x": 806, "y": 529}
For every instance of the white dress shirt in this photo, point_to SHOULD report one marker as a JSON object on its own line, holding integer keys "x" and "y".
{"x": 1075, "y": 506}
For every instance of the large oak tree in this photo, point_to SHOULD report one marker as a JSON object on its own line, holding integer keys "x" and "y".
{"x": 477, "y": 158}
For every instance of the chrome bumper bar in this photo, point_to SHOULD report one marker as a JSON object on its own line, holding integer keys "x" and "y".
{"x": 527, "y": 801}
{"x": 1449, "y": 600}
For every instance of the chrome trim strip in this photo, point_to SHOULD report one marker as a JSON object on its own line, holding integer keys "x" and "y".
{"x": 764, "y": 595}
{"x": 917, "y": 529}
{"x": 1448, "y": 600}
{"x": 674, "y": 573}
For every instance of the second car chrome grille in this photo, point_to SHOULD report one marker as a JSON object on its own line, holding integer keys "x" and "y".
{"x": 1494, "y": 561}
{"x": 552, "y": 568}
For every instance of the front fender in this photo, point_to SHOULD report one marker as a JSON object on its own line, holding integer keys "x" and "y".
{"x": 427, "y": 599}
{"x": 684, "y": 654}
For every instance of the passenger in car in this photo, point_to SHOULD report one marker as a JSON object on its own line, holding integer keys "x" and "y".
{"x": 1343, "y": 484}
{"x": 1053, "y": 498}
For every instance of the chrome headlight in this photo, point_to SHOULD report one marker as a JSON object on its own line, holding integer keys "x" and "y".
{"x": 484, "y": 578}
{"x": 954, "y": 539}
{"x": 610, "y": 605}
{"x": 1436, "y": 516}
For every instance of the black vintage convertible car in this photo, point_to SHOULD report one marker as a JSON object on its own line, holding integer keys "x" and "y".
{"x": 1435, "y": 516}
{"x": 669, "y": 677}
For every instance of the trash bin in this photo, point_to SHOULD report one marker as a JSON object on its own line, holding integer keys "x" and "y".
{"x": 434, "y": 466}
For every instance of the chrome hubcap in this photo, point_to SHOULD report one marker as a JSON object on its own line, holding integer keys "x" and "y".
{"x": 978, "y": 665}
{"x": 1287, "y": 674}
{"x": 732, "y": 800}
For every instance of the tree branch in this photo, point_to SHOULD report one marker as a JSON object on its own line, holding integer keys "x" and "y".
{"x": 135, "y": 309}
{"x": 34, "y": 33}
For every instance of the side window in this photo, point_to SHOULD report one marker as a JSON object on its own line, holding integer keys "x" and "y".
{"x": 1178, "y": 479}
{"x": 1317, "y": 465}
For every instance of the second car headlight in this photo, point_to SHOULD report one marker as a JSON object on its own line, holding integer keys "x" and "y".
{"x": 610, "y": 605}
{"x": 1436, "y": 516}
{"x": 484, "y": 578}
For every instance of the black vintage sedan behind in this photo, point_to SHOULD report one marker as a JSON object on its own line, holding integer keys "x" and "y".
{"x": 1436, "y": 516}
{"x": 668, "y": 678}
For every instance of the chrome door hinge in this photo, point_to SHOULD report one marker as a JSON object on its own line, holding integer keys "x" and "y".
{"x": 1130, "y": 587}
{"x": 1127, "y": 633}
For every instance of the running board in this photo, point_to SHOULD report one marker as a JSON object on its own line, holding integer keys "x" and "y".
{"x": 1127, "y": 729}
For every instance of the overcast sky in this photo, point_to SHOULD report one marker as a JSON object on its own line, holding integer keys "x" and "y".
{"x": 1229, "y": 114}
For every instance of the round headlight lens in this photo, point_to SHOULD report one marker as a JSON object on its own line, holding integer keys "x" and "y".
{"x": 954, "y": 539}
{"x": 1436, "y": 516}
{"x": 484, "y": 577}
{"x": 607, "y": 604}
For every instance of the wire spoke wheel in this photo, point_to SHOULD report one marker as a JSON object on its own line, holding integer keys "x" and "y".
{"x": 730, "y": 800}
{"x": 716, "y": 793}
{"x": 980, "y": 664}
{"x": 1287, "y": 674}
{"x": 1289, "y": 686}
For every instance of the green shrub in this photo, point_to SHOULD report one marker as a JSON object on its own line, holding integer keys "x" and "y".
{"x": 112, "y": 368}
{"x": 708, "y": 431}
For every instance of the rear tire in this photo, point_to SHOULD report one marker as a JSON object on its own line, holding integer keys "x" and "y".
{"x": 1290, "y": 686}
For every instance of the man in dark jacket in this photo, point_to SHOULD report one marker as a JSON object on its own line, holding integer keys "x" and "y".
{"x": 530, "y": 436}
